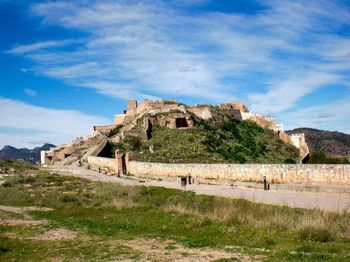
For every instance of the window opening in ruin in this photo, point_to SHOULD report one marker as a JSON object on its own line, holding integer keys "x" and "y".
{"x": 149, "y": 130}
{"x": 181, "y": 122}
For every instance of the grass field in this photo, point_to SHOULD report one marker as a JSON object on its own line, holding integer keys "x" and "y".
{"x": 85, "y": 220}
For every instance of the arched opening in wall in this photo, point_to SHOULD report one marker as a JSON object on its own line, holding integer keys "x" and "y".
{"x": 181, "y": 122}
{"x": 306, "y": 159}
{"x": 106, "y": 151}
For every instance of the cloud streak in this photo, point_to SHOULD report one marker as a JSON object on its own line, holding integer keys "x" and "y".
{"x": 52, "y": 124}
{"x": 39, "y": 46}
{"x": 30, "y": 92}
{"x": 272, "y": 58}
{"x": 321, "y": 116}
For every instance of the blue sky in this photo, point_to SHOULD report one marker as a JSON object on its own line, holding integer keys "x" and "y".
{"x": 67, "y": 65}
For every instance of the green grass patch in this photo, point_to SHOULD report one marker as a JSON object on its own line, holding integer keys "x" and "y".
{"x": 77, "y": 250}
{"x": 17, "y": 165}
{"x": 109, "y": 212}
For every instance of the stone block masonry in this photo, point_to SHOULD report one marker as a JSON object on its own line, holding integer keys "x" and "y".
{"x": 96, "y": 162}
{"x": 275, "y": 173}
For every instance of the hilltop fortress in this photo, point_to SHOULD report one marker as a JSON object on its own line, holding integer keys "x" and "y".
{"x": 93, "y": 151}
{"x": 173, "y": 115}
{"x": 181, "y": 117}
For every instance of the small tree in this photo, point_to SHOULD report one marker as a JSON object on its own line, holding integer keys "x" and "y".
{"x": 317, "y": 157}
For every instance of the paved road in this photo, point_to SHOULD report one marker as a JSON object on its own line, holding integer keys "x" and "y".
{"x": 335, "y": 202}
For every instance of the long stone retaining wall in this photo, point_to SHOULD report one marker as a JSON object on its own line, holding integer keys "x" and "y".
{"x": 275, "y": 173}
{"x": 96, "y": 162}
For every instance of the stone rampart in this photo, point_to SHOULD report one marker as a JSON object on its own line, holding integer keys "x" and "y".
{"x": 236, "y": 105}
{"x": 96, "y": 162}
{"x": 103, "y": 129}
{"x": 119, "y": 119}
{"x": 201, "y": 111}
{"x": 275, "y": 173}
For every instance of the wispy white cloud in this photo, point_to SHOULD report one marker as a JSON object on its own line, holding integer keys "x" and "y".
{"x": 156, "y": 48}
{"x": 30, "y": 92}
{"x": 30, "y": 139}
{"x": 23, "y": 49}
{"x": 124, "y": 91}
{"x": 322, "y": 116}
{"x": 285, "y": 93}
{"x": 187, "y": 2}
{"x": 139, "y": 50}
{"x": 75, "y": 71}
{"x": 54, "y": 124}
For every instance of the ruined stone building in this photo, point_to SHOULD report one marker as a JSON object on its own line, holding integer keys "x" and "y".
{"x": 167, "y": 113}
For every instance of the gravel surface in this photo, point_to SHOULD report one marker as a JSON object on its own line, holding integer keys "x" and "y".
{"x": 335, "y": 202}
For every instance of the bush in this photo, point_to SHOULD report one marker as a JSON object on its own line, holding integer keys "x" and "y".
{"x": 69, "y": 198}
{"x": 115, "y": 131}
{"x": 18, "y": 179}
{"x": 134, "y": 143}
{"x": 315, "y": 234}
{"x": 319, "y": 157}
{"x": 289, "y": 161}
{"x": 17, "y": 165}
{"x": 219, "y": 140}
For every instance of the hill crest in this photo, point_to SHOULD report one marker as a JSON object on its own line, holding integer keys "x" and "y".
{"x": 30, "y": 155}
{"x": 333, "y": 143}
{"x": 240, "y": 133}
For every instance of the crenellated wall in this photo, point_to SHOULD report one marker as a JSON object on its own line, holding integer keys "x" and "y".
{"x": 280, "y": 173}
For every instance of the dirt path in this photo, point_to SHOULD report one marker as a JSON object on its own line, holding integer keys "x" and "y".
{"x": 21, "y": 210}
{"x": 26, "y": 220}
{"x": 169, "y": 250}
{"x": 148, "y": 249}
{"x": 335, "y": 202}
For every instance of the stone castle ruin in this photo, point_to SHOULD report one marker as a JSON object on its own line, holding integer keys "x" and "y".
{"x": 93, "y": 151}
{"x": 166, "y": 113}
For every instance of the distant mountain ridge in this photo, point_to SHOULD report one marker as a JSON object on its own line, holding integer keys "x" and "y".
{"x": 333, "y": 143}
{"x": 30, "y": 155}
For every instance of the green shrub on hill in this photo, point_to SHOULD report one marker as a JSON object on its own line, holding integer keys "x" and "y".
{"x": 319, "y": 157}
{"x": 220, "y": 140}
{"x": 17, "y": 165}
{"x": 115, "y": 131}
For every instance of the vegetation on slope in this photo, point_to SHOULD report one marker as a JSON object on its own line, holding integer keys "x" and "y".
{"x": 333, "y": 144}
{"x": 115, "y": 131}
{"x": 103, "y": 213}
{"x": 6, "y": 165}
{"x": 319, "y": 157}
{"x": 222, "y": 140}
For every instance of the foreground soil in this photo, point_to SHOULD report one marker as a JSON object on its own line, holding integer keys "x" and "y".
{"x": 49, "y": 217}
{"x": 41, "y": 233}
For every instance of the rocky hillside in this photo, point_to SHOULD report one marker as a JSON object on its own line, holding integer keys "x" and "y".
{"x": 333, "y": 143}
{"x": 223, "y": 139}
{"x": 29, "y": 155}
